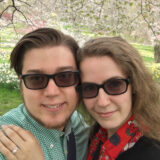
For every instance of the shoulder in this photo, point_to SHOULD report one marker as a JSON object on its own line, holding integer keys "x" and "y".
{"x": 145, "y": 148}
{"x": 2, "y": 157}
{"x": 78, "y": 124}
{"x": 14, "y": 116}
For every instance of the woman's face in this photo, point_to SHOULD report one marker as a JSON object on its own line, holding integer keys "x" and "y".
{"x": 110, "y": 111}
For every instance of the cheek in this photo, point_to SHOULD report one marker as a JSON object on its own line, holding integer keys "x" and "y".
{"x": 126, "y": 102}
{"x": 71, "y": 95}
{"x": 89, "y": 104}
{"x": 29, "y": 96}
{"x": 129, "y": 99}
{"x": 130, "y": 104}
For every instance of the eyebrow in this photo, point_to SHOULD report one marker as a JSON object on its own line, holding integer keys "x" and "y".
{"x": 114, "y": 77}
{"x": 60, "y": 69}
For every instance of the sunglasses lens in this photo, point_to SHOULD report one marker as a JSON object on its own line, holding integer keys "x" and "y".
{"x": 115, "y": 86}
{"x": 66, "y": 79}
{"x": 35, "y": 81}
{"x": 111, "y": 87}
{"x": 88, "y": 90}
{"x": 40, "y": 81}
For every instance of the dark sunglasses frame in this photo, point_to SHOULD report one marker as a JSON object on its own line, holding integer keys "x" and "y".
{"x": 51, "y": 76}
{"x": 98, "y": 86}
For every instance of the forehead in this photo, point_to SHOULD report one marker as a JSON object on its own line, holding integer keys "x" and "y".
{"x": 48, "y": 59}
{"x": 98, "y": 69}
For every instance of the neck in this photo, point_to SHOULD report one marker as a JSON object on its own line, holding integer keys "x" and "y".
{"x": 110, "y": 132}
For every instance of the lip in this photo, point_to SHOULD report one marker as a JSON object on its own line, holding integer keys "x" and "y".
{"x": 106, "y": 114}
{"x": 53, "y": 107}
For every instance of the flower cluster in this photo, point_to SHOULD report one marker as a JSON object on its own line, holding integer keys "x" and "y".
{"x": 8, "y": 77}
{"x": 155, "y": 70}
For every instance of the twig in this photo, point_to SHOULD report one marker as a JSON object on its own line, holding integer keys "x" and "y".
{"x": 134, "y": 18}
{"x": 102, "y": 4}
{"x": 149, "y": 25}
{"x": 12, "y": 21}
{"x": 5, "y": 10}
{"x": 24, "y": 3}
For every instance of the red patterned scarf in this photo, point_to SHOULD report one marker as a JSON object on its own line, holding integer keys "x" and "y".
{"x": 102, "y": 148}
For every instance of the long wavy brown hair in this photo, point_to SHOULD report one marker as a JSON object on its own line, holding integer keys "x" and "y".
{"x": 145, "y": 91}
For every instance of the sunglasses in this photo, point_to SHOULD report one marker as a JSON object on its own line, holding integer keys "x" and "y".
{"x": 40, "y": 81}
{"x": 113, "y": 86}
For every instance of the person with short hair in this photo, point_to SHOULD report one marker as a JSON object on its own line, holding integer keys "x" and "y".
{"x": 44, "y": 61}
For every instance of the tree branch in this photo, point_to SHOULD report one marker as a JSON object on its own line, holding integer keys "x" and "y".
{"x": 24, "y": 3}
{"x": 22, "y": 14}
{"x": 134, "y": 18}
{"x": 12, "y": 20}
{"x": 149, "y": 25}
{"x": 102, "y": 4}
{"x": 13, "y": 5}
{"x": 16, "y": 9}
{"x": 152, "y": 3}
{"x": 5, "y": 10}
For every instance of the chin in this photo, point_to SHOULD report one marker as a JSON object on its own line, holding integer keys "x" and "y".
{"x": 49, "y": 125}
{"x": 110, "y": 125}
{"x": 57, "y": 125}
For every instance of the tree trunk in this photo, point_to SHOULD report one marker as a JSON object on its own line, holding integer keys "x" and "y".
{"x": 157, "y": 53}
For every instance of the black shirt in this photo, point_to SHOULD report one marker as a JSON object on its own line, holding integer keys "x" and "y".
{"x": 144, "y": 149}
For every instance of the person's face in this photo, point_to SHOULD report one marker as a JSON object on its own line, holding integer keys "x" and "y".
{"x": 53, "y": 105}
{"x": 110, "y": 111}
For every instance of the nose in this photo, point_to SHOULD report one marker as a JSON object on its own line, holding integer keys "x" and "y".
{"x": 103, "y": 99}
{"x": 52, "y": 89}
